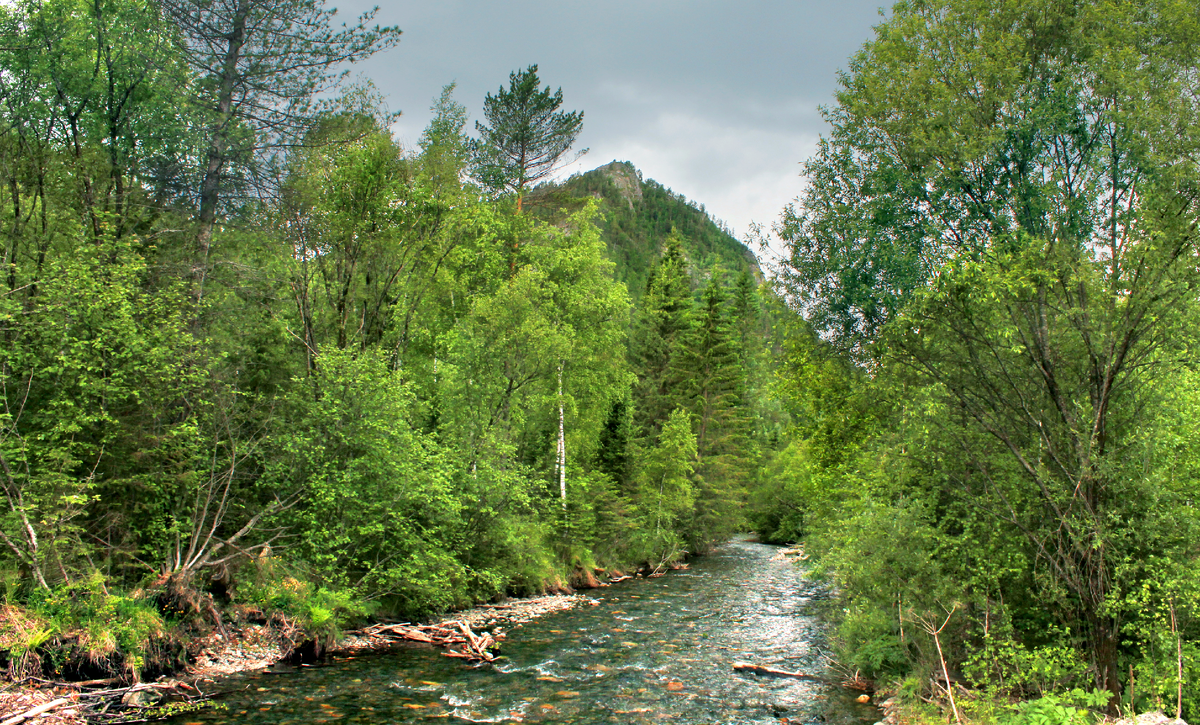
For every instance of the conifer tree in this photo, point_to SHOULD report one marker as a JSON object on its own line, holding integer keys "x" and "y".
{"x": 667, "y": 494}
{"x": 613, "y": 447}
{"x": 746, "y": 311}
{"x": 715, "y": 379}
{"x": 662, "y": 330}
{"x": 713, "y": 371}
{"x": 261, "y": 68}
{"x": 525, "y": 134}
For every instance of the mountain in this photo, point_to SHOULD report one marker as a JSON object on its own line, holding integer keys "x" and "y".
{"x": 638, "y": 214}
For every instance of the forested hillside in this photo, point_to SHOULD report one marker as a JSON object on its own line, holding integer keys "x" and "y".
{"x": 637, "y": 214}
{"x": 258, "y": 355}
{"x": 261, "y": 361}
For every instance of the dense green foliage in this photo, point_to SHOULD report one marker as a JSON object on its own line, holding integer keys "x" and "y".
{"x": 270, "y": 358}
{"x": 995, "y": 412}
{"x": 258, "y": 356}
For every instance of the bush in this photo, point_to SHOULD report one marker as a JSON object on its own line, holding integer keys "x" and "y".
{"x": 1069, "y": 709}
{"x": 318, "y": 612}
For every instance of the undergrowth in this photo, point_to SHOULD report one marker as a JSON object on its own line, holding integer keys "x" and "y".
{"x": 82, "y": 630}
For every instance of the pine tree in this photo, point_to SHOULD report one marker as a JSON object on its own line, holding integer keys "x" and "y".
{"x": 525, "y": 134}
{"x": 262, "y": 66}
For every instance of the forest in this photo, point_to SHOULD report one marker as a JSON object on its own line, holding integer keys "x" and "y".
{"x": 258, "y": 356}
{"x": 260, "y": 359}
{"x": 995, "y": 404}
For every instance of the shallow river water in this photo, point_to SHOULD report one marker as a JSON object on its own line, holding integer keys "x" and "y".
{"x": 651, "y": 651}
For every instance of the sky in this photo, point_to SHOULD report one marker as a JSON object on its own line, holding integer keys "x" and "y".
{"x": 716, "y": 100}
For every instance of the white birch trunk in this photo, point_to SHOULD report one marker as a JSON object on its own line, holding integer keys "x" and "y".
{"x": 562, "y": 442}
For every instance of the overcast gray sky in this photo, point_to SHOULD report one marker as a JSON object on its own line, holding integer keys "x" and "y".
{"x": 716, "y": 100}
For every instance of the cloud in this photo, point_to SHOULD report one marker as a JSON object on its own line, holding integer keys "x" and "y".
{"x": 715, "y": 100}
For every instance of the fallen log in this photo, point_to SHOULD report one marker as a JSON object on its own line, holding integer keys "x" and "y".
{"x": 772, "y": 672}
{"x": 477, "y": 646}
{"x": 39, "y": 710}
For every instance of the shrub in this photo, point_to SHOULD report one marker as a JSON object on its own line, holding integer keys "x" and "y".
{"x": 1068, "y": 709}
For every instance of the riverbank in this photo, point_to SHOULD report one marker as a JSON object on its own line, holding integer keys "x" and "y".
{"x": 247, "y": 648}
{"x": 988, "y": 712}
{"x": 255, "y": 647}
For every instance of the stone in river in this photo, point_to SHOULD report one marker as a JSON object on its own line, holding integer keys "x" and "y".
{"x": 142, "y": 698}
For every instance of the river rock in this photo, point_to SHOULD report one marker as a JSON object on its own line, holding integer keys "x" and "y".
{"x": 141, "y": 698}
{"x": 889, "y": 708}
{"x": 1151, "y": 718}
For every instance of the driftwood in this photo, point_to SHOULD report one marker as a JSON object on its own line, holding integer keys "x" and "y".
{"x": 772, "y": 672}
{"x": 39, "y": 710}
{"x": 79, "y": 684}
{"x": 456, "y": 637}
{"x": 117, "y": 705}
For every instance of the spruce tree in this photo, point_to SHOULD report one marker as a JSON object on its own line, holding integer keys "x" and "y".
{"x": 715, "y": 380}
{"x": 746, "y": 312}
{"x": 613, "y": 447}
{"x": 661, "y": 331}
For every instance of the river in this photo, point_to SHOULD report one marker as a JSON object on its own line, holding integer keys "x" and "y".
{"x": 650, "y": 650}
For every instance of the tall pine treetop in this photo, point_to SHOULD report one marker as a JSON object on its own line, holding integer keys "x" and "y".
{"x": 525, "y": 134}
